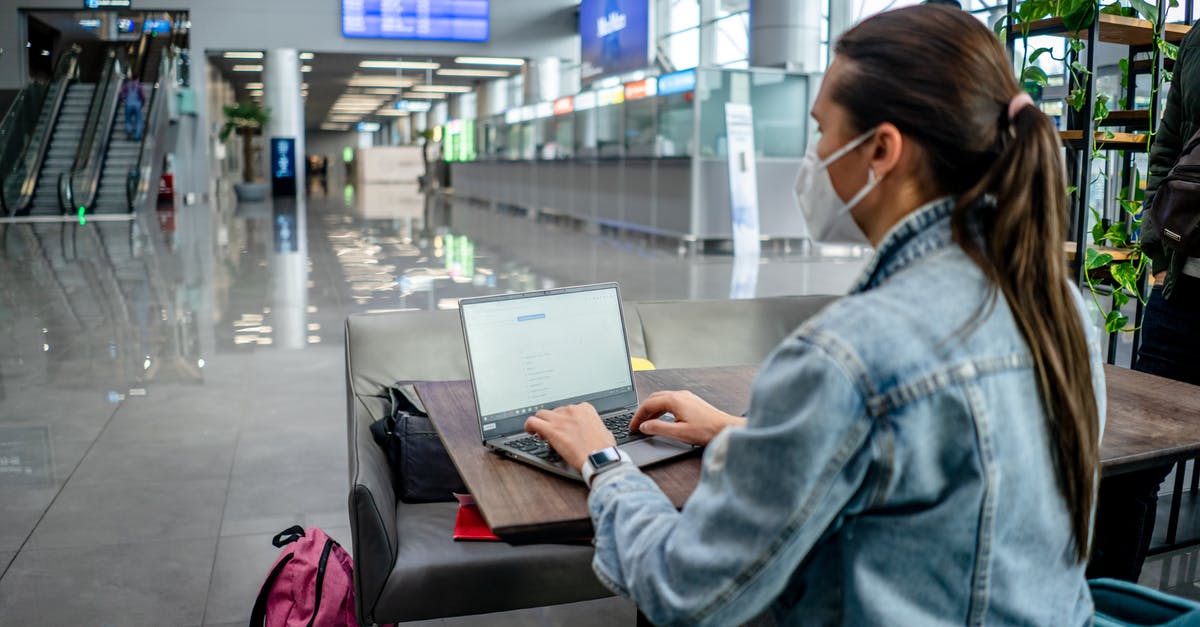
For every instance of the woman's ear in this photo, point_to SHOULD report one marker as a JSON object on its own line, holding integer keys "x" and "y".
{"x": 889, "y": 147}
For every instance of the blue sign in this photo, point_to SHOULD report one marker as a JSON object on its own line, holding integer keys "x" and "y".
{"x": 614, "y": 37}
{"x": 106, "y": 4}
{"x": 156, "y": 26}
{"x": 677, "y": 82}
{"x": 412, "y": 106}
{"x": 283, "y": 166}
{"x": 447, "y": 20}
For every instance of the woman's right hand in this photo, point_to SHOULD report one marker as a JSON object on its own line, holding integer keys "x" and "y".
{"x": 696, "y": 422}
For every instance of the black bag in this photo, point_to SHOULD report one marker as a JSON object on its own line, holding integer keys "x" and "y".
{"x": 1175, "y": 207}
{"x": 421, "y": 468}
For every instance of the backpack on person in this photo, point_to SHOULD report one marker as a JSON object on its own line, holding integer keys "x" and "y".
{"x": 1175, "y": 207}
{"x": 310, "y": 585}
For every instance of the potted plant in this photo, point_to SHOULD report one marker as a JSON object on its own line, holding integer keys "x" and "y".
{"x": 248, "y": 119}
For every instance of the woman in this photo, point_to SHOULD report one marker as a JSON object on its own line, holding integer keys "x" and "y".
{"x": 925, "y": 450}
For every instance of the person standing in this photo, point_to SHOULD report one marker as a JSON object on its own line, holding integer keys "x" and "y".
{"x": 135, "y": 98}
{"x": 1128, "y": 503}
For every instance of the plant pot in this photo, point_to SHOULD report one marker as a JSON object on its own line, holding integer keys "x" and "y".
{"x": 251, "y": 192}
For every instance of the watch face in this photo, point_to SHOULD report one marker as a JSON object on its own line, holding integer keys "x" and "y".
{"x": 603, "y": 457}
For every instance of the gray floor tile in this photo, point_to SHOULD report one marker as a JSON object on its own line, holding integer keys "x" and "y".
{"x": 597, "y": 613}
{"x": 1177, "y": 572}
{"x": 241, "y": 567}
{"x": 165, "y": 460}
{"x": 131, "y": 585}
{"x": 267, "y": 504}
{"x": 123, "y": 512}
{"x": 267, "y": 452}
{"x": 140, "y": 420}
{"x": 5, "y": 559}
{"x": 22, "y": 509}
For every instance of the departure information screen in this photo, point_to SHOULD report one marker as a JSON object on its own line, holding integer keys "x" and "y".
{"x": 447, "y": 20}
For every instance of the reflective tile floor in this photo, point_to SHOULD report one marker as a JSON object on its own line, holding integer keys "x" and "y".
{"x": 168, "y": 403}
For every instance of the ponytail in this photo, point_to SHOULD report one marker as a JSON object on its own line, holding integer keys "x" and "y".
{"x": 944, "y": 80}
{"x": 1021, "y": 258}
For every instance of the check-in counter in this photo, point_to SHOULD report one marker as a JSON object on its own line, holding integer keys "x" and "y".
{"x": 647, "y": 159}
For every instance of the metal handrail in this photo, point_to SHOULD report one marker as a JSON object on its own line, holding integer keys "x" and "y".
{"x": 138, "y": 184}
{"x": 78, "y": 186}
{"x": 33, "y": 152}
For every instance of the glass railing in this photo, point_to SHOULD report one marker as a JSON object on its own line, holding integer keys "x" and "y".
{"x": 140, "y": 179}
{"x": 78, "y": 186}
{"x": 23, "y": 144}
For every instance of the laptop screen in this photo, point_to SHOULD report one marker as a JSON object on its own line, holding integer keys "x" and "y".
{"x": 543, "y": 350}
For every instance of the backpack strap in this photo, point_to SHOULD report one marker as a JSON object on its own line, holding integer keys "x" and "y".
{"x": 287, "y": 536}
{"x": 258, "y": 616}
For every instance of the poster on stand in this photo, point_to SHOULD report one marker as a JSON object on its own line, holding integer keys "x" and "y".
{"x": 283, "y": 166}
{"x": 743, "y": 179}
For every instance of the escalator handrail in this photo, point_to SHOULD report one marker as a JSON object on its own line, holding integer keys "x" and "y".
{"x": 78, "y": 186}
{"x": 65, "y": 70}
{"x": 138, "y": 183}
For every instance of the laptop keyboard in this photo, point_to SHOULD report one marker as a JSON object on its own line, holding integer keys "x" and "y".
{"x": 618, "y": 424}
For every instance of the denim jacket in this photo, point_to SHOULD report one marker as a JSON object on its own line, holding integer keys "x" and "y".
{"x": 895, "y": 470}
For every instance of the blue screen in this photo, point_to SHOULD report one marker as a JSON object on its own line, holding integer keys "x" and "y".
{"x": 448, "y": 20}
{"x": 614, "y": 36}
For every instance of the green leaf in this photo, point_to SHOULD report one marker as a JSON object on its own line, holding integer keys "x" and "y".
{"x": 1071, "y": 189}
{"x": 1095, "y": 260}
{"x": 1035, "y": 74}
{"x": 1131, "y": 207}
{"x": 1033, "y": 56}
{"x": 1115, "y": 321}
{"x": 1145, "y": 10}
{"x": 1120, "y": 299}
{"x": 1113, "y": 9}
{"x": 1168, "y": 49}
{"x": 1001, "y": 26}
{"x": 1077, "y": 98}
{"x": 1126, "y": 275}
{"x": 1117, "y": 235}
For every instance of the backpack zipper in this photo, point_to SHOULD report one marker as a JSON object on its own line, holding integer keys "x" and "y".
{"x": 320, "y": 579}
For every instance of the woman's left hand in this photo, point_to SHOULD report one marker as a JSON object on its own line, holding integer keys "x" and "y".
{"x": 574, "y": 431}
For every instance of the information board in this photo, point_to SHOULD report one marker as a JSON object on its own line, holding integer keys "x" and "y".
{"x": 614, "y": 37}
{"x": 447, "y": 20}
{"x": 283, "y": 166}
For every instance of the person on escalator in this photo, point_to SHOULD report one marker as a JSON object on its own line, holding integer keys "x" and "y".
{"x": 134, "y": 96}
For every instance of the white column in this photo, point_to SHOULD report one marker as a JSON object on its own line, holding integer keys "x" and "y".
{"x": 281, "y": 95}
{"x": 786, "y": 34}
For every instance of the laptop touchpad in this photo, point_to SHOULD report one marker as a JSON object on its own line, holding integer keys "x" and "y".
{"x": 655, "y": 449}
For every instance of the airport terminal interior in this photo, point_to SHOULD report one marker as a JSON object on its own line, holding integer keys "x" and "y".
{"x": 196, "y": 196}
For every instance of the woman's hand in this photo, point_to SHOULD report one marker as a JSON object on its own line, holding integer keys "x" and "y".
{"x": 696, "y": 422}
{"x": 574, "y": 431}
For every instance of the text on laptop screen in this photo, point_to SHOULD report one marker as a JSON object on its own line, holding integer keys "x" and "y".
{"x": 546, "y": 351}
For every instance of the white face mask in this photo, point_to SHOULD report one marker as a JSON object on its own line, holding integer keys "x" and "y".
{"x": 827, "y": 215}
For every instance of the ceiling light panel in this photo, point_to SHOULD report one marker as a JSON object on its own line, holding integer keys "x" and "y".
{"x": 473, "y": 73}
{"x": 380, "y": 81}
{"x": 243, "y": 55}
{"x": 444, "y": 89}
{"x": 425, "y": 95}
{"x": 306, "y": 56}
{"x": 247, "y": 68}
{"x": 506, "y": 61}
{"x": 254, "y": 85}
{"x": 380, "y": 64}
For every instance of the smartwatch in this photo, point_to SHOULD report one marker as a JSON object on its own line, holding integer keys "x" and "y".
{"x": 600, "y": 461}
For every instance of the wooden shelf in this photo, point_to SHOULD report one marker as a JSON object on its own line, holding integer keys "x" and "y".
{"x": 1118, "y": 141}
{"x": 1119, "y": 254}
{"x": 1114, "y": 29}
{"x": 1130, "y": 119}
{"x": 1145, "y": 66}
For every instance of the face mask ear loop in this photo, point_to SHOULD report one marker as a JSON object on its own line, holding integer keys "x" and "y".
{"x": 844, "y": 150}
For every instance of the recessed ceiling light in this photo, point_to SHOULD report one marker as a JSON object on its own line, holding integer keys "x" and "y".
{"x": 247, "y": 68}
{"x": 473, "y": 73}
{"x": 305, "y": 68}
{"x": 379, "y": 81}
{"x": 306, "y": 56}
{"x": 444, "y": 89}
{"x": 382, "y": 91}
{"x": 425, "y": 95}
{"x": 243, "y": 55}
{"x": 377, "y": 64}
{"x": 489, "y": 61}
{"x": 392, "y": 113}
{"x": 254, "y": 85}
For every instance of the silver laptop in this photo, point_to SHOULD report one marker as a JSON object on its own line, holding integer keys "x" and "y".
{"x": 545, "y": 349}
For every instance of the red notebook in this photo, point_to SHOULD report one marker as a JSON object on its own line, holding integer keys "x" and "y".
{"x": 469, "y": 524}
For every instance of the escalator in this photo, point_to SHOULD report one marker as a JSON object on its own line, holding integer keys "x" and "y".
{"x": 64, "y": 144}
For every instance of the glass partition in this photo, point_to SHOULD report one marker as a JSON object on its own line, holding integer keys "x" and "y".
{"x": 780, "y": 104}
{"x": 641, "y": 127}
{"x": 559, "y": 137}
{"x": 676, "y": 117}
{"x": 585, "y": 133}
{"x": 610, "y": 130}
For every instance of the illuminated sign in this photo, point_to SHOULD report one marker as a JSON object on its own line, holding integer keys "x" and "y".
{"x": 512, "y": 116}
{"x": 564, "y": 105}
{"x": 614, "y": 37}
{"x": 677, "y": 82}
{"x": 610, "y": 96}
{"x": 283, "y": 166}
{"x": 545, "y": 109}
{"x": 641, "y": 89}
{"x": 585, "y": 101}
{"x": 417, "y": 106}
{"x": 446, "y": 20}
{"x": 106, "y": 4}
{"x": 368, "y": 127}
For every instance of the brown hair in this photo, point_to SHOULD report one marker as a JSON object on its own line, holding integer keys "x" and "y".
{"x": 943, "y": 79}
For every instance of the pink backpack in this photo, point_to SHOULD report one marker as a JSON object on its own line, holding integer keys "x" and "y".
{"x": 311, "y": 584}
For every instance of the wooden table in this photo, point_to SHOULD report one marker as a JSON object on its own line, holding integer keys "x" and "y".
{"x": 1151, "y": 422}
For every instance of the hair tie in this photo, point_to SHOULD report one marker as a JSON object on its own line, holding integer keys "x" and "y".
{"x": 1017, "y": 103}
